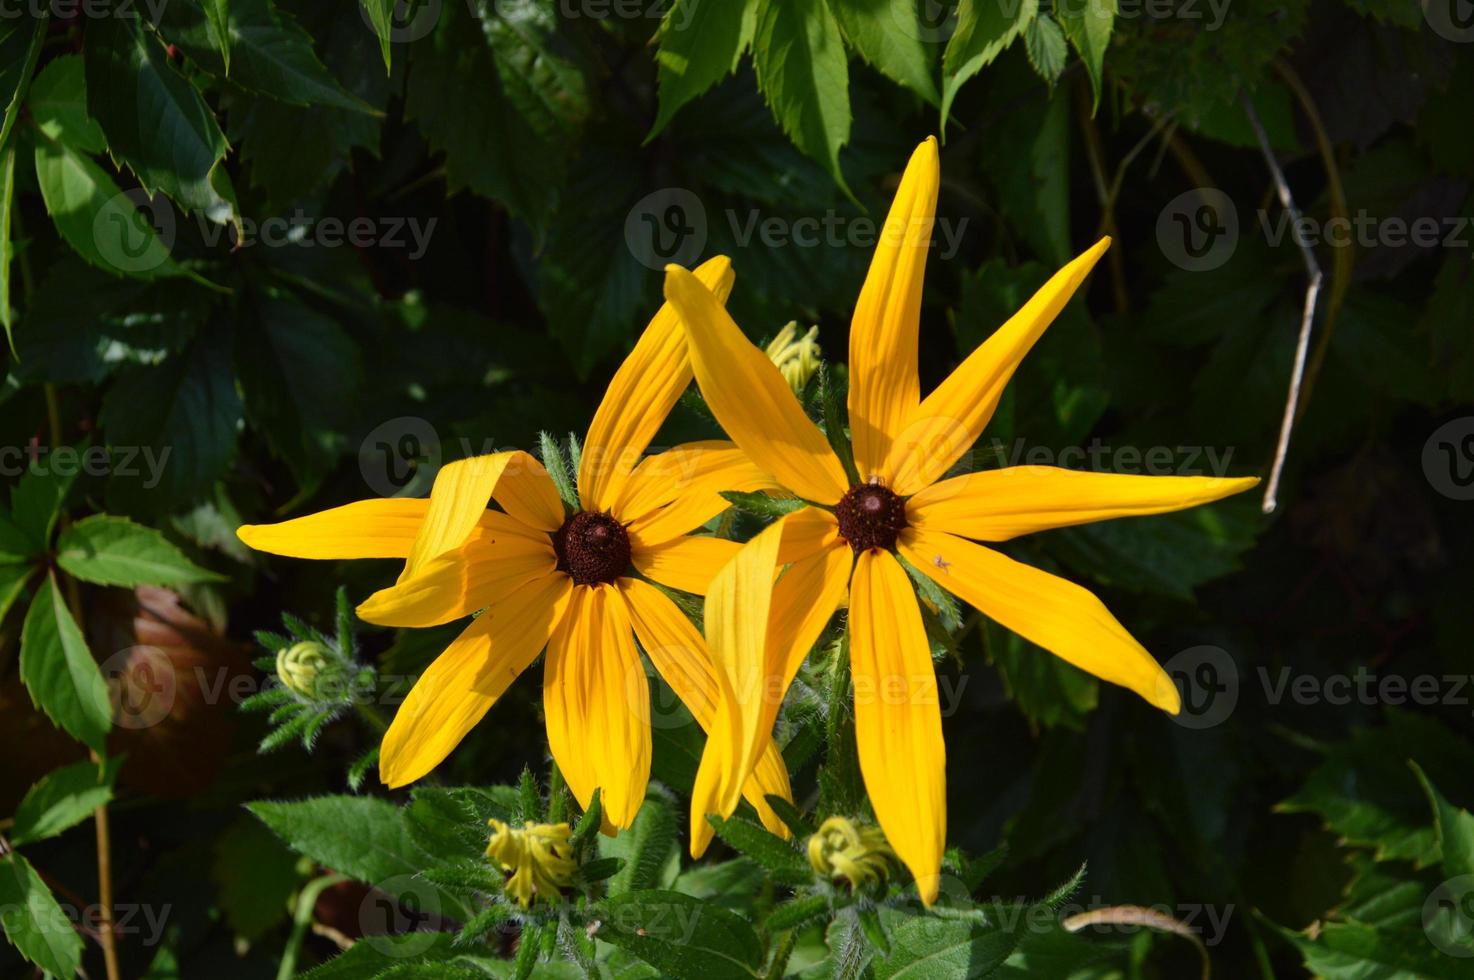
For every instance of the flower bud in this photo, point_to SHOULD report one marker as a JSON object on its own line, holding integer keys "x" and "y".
{"x": 538, "y": 857}
{"x": 308, "y": 669}
{"x": 848, "y": 854}
{"x": 797, "y": 359}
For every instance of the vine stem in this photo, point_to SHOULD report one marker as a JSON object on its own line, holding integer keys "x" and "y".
{"x": 100, "y": 819}
{"x": 302, "y": 922}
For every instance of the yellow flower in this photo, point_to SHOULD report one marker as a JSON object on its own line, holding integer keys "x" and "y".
{"x": 544, "y": 578}
{"x": 849, "y": 536}
{"x": 538, "y": 856}
{"x": 858, "y": 856}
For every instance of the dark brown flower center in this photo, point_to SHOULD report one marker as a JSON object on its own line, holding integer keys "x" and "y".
{"x": 592, "y": 548}
{"x": 870, "y": 516}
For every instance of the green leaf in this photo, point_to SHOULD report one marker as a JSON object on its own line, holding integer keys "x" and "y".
{"x": 775, "y": 854}
{"x": 62, "y": 799}
{"x": 217, "y": 12}
{"x": 257, "y": 876}
{"x": 108, "y": 550}
{"x": 804, "y": 76}
{"x": 1088, "y": 25}
{"x": 59, "y": 672}
{"x": 179, "y": 419}
{"x": 299, "y": 374}
{"x": 58, "y": 105}
{"x": 13, "y": 578}
{"x": 36, "y": 502}
{"x": 888, "y": 34}
{"x": 378, "y": 957}
{"x": 272, "y": 54}
{"x": 984, "y": 30}
{"x": 21, "y": 35}
{"x": 680, "y": 935}
{"x": 699, "y": 44}
{"x": 761, "y": 504}
{"x": 547, "y": 89}
{"x": 1453, "y": 829}
{"x": 1044, "y": 41}
{"x": 360, "y": 836}
{"x": 155, "y": 119}
{"x": 7, "y": 246}
{"x": 649, "y": 849}
{"x": 380, "y": 15}
{"x": 34, "y": 923}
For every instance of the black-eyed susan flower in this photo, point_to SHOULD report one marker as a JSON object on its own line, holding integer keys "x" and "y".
{"x": 537, "y": 857}
{"x": 851, "y": 534}
{"x": 573, "y": 583}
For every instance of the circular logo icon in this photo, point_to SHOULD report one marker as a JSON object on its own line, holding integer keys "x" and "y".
{"x": 1452, "y": 20}
{"x": 409, "y": 21}
{"x": 141, "y": 686}
{"x": 932, "y": 21}
{"x": 400, "y": 457}
{"x": 1207, "y": 681}
{"x": 666, "y": 226}
{"x": 1448, "y": 459}
{"x": 1198, "y": 230}
{"x": 1448, "y": 917}
{"x": 400, "y": 917}
{"x": 133, "y": 232}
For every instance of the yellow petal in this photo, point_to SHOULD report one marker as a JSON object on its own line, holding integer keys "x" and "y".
{"x": 642, "y": 393}
{"x": 459, "y": 497}
{"x": 754, "y": 676}
{"x": 526, "y": 492}
{"x": 947, "y": 423}
{"x": 898, "y": 717}
{"x": 807, "y": 532}
{"x": 884, "y": 389}
{"x": 597, "y": 703}
{"x": 384, "y": 528}
{"x": 1059, "y": 616}
{"x": 679, "y": 654}
{"x": 996, "y": 505}
{"x": 673, "y": 492}
{"x": 474, "y": 576}
{"x": 687, "y": 564}
{"x": 749, "y": 397}
{"x": 464, "y": 681}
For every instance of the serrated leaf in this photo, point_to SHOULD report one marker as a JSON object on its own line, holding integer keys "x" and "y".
{"x": 109, "y": 550}
{"x": 57, "y": 102}
{"x": 1453, "y": 829}
{"x": 59, "y": 672}
{"x": 36, "y": 502}
{"x": 681, "y": 935}
{"x": 256, "y": 876}
{"x": 802, "y": 71}
{"x": 1044, "y": 41}
{"x": 699, "y": 44}
{"x": 34, "y": 923}
{"x": 62, "y": 799}
{"x": 1088, "y": 25}
{"x": 985, "y": 28}
{"x": 217, "y": 12}
{"x": 21, "y": 36}
{"x": 923, "y": 946}
{"x": 888, "y": 34}
{"x": 775, "y": 854}
{"x": 547, "y": 89}
{"x": 155, "y": 119}
{"x": 648, "y": 848}
{"x": 761, "y": 504}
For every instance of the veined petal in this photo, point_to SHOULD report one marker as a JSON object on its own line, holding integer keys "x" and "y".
{"x": 679, "y": 654}
{"x": 686, "y": 563}
{"x": 995, "y": 505}
{"x": 597, "y": 703}
{"x": 673, "y": 492}
{"x": 884, "y": 388}
{"x": 749, "y": 397}
{"x": 898, "y": 718}
{"x": 383, "y": 528}
{"x": 640, "y": 396}
{"x": 464, "y": 681}
{"x": 754, "y": 678}
{"x": 807, "y": 532}
{"x": 526, "y": 492}
{"x": 476, "y": 575}
{"x": 951, "y": 418}
{"x": 459, "y": 497}
{"x": 1045, "y": 609}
